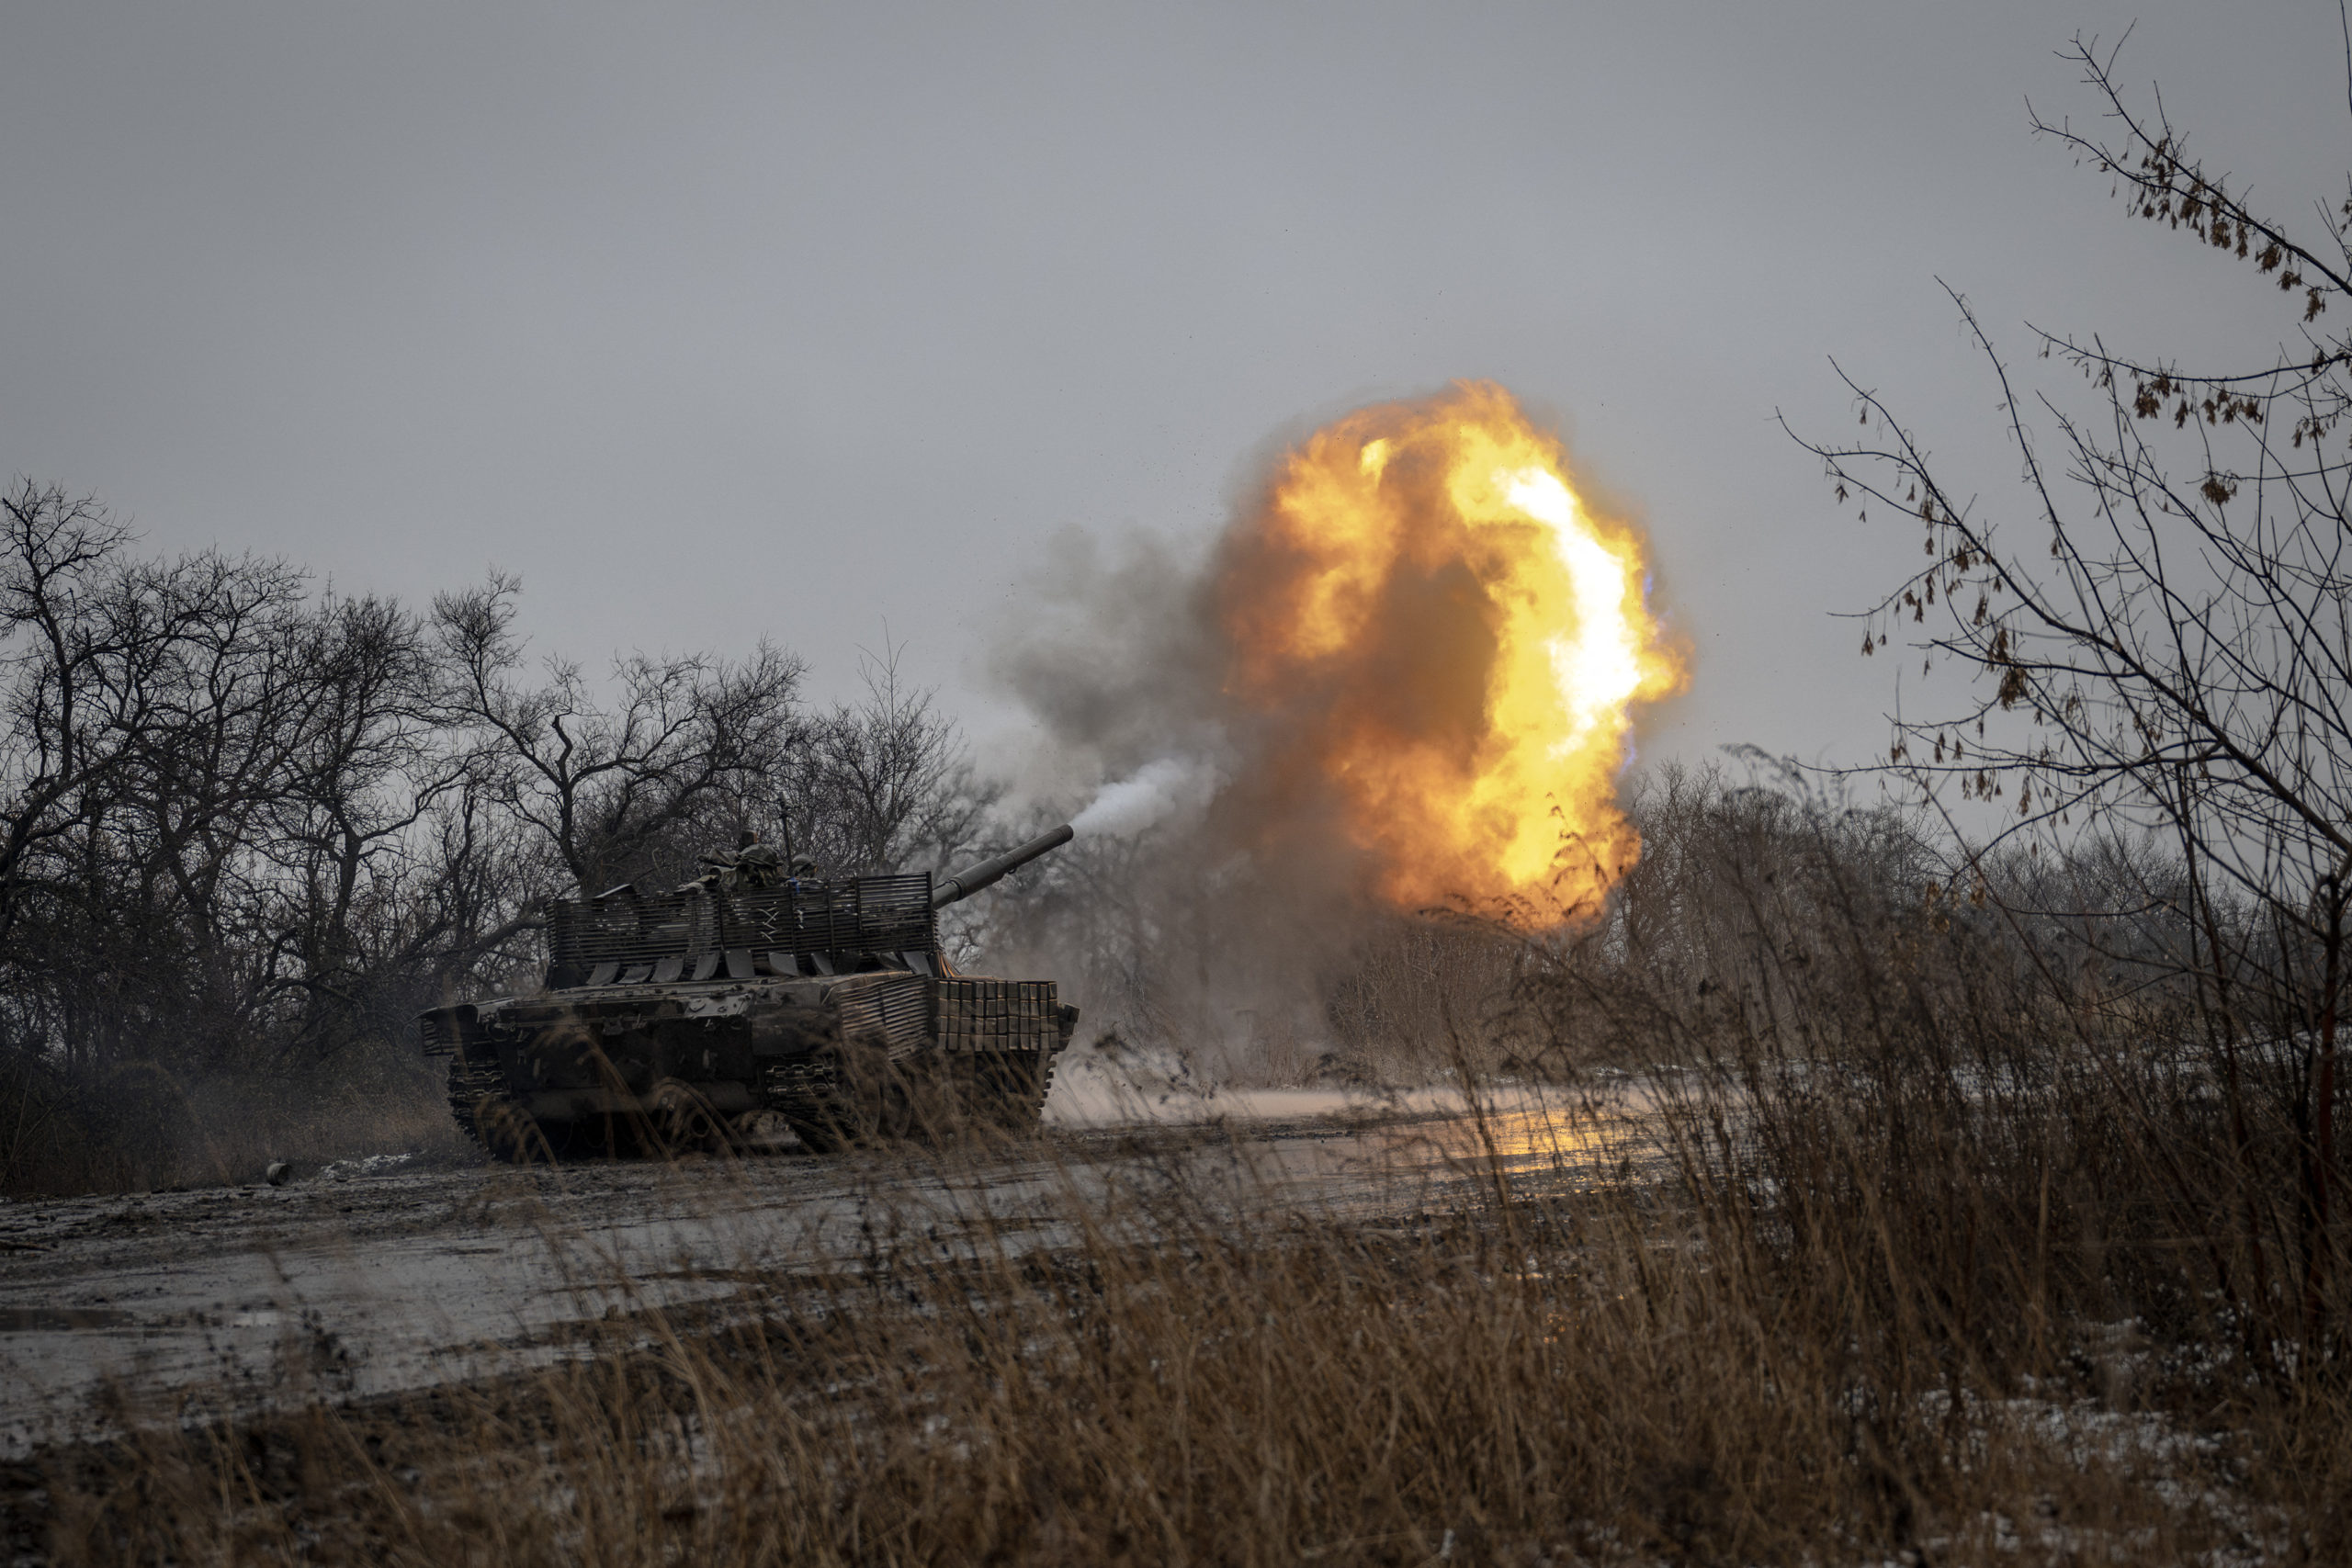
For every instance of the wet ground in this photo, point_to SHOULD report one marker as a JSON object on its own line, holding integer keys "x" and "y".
{"x": 371, "y": 1276}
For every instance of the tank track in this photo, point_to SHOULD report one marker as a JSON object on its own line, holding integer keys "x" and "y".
{"x": 468, "y": 1087}
{"x": 808, "y": 1094}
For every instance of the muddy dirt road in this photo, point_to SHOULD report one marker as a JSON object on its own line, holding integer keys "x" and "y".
{"x": 373, "y": 1276}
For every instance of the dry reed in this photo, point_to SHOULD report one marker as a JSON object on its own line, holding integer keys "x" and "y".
{"x": 1908, "y": 1257}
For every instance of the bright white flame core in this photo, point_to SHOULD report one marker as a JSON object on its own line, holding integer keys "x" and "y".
{"x": 1598, "y": 665}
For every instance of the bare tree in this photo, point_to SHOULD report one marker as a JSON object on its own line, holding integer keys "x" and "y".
{"x": 2163, "y": 643}
{"x": 247, "y": 833}
{"x": 885, "y": 784}
{"x": 157, "y": 711}
{"x": 607, "y": 785}
{"x": 64, "y": 738}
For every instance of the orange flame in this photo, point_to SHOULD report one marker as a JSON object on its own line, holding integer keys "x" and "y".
{"x": 1451, "y": 641}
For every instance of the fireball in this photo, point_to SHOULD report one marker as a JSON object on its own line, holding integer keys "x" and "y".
{"x": 1447, "y": 640}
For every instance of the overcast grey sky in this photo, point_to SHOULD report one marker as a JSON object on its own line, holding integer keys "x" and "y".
{"x": 723, "y": 321}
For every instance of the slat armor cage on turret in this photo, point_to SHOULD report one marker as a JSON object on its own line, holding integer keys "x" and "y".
{"x": 689, "y": 1017}
{"x": 628, "y": 938}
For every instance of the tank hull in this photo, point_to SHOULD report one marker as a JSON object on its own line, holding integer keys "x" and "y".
{"x": 701, "y": 1018}
{"x": 661, "y": 1068}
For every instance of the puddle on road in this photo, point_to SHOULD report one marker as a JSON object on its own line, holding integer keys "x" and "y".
{"x": 1524, "y": 1131}
{"x": 51, "y": 1320}
{"x": 1520, "y": 1133}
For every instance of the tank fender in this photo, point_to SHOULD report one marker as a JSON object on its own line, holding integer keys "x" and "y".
{"x": 448, "y": 1031}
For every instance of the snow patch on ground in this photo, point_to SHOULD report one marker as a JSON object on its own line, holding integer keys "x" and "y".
{"x": 365, "y": 1164}
{"x": 1109, "y": 1085}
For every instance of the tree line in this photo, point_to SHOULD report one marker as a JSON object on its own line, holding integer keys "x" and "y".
{"x": 248, "y": 826}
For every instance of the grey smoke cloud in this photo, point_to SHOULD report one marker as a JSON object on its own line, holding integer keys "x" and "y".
{"x": 1158, "y": 791}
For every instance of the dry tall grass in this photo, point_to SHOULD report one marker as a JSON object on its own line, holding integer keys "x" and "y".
{"x": 145, "y": 1126}
{"x": 1915, "y": 1256}
{"x": 1693, "y": 1371}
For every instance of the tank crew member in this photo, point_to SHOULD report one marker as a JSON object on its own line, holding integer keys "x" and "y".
{"x": 757, "y": 864}
{"x": 749, "y": 865}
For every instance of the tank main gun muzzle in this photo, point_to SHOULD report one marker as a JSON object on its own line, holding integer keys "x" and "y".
{"x": 963, "y": 885}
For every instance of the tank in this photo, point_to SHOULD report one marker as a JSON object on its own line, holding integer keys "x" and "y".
{"x": 719, "y": 1015}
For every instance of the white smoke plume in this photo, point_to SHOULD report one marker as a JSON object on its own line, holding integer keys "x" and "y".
{"x": 1154, "y": 793}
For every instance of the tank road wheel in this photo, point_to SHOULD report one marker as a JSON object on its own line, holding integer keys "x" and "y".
{"x": 610, "y": 1135}
{"x": 839, "y": 1120}
{"x": 680, "y": 1120}
{"x": 512, "y": 1134}
{"x": 760, "y": 1132}
{"x": 818, "y": 1130}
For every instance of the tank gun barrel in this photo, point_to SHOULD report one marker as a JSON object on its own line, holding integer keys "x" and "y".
{"x": 964, "y": 884}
